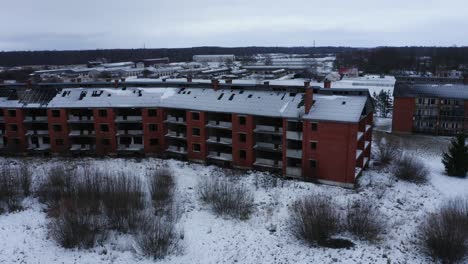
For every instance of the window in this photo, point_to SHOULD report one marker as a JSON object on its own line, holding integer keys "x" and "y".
{"x": 102, "y": 112}
{"x": 313, "y": 164}
{"x": 195, "y": 131}
{"x": 46, "y": 140}
{"x": 59, "y": 142}
{"x": 105, "y": 142}
{"x": 138, "y": 140}
{"x": 14, "y": 127}
{"x": 154, "y": 142}
{"x": 153, "y": 127}
{"x": 56, "y": 113}
{"x": 16, "y": 141}
{"x": 196, "y": 147}
{"x": 104, "y": 128}
{"x": 313, "y": 145}
{"x": 152, "y": 112}
{"x": 57, "y": 128}
{"x": 242, "y": 120}
{"x": 195, "y": 116}
{"x": 242, "y": 137}
{"x": 314, "y": 126}
{"x": 12, "y": 113}
{"x": 242, "y": 154}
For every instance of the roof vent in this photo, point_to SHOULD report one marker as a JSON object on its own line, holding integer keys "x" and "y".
{"x": 220, "y": 96}
{"x": 82, "y": 95}
{"x": 231, "y": 97}
{"x": 343, "y": 103}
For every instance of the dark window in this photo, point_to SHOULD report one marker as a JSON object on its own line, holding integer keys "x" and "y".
{"x": 14, "y": 127}
{"x": 196, "y": 147}
{"x": 104, "y": 128}
{"x": 314, "y": 126}
{"x": 138, "y": 140}
{"x": 59, "y": 142}
{"x": 242, "y": 120}
{"x": 46, "y": 140}
{"x": 56, "y": 113}
{"x": 242, "y": 137}
{"x": 154, "y": 142}
{"x": 57, "y": 128}
{"x": 313, "y": 164}
{"x": 313, "y": 145}
{"x": 12, "y": 113}
{"x": 195, "y": 131}
{"x": 195, "y": 116}
{"x": 242, "y": 154}
{"x": 153, "y": 127}
{"x": 102, "y": 112}
{"x": 105, "y": 142}
{"x": 16, "y": 141}
{"x": 152, "y": 112}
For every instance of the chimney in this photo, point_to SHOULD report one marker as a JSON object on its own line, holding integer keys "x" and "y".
{"x": 116, "y": 83}
{"x": 308, "y": 97}
{"x": 215, "y": 84}
{"x": 327, "y": 84}
{"x": 189, "y": 79}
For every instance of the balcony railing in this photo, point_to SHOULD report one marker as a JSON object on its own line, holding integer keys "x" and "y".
{"x": 220, "y": 156}
{"x": 40, "y": 147}
{"x": 268, "y": 163}
{"x": 175, "y": 120}
{"x": 130, "y": 147}
{"x": 80, "y": 119}
{"x": 220, "y": 140}
{"x": 219, "y": 124}
{"x": 268, "y": 146}
{"x": 37, "y": 132}
{"x": 177, "y": 150}
{"x": 294, "y": 171}
{"x": 174, "y": 134}
{"x": 35, "y": 119}
{"x": 129, "y": 132}
{"x": 84, "y": 133}
{"x": 294, "y": 135}
{"x": 128, "y": 119}
{"x": 294, "y": 153}
{"x": 268, "y": 130}
{"x": 82, "y": 147}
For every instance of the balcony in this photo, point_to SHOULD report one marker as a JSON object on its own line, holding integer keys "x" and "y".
{"x": 272, "y": 130}
{"x": 359, "y": 135}
{"x": 82, "y": 147}
{"x": 268, "y": 163}
{"x": 80, "y": 119}
{"x": 82, "y": 133}
{"x": 175, "y": 120}
{"x": 294, "y": 135}
{"x": 176, "y": 150}
{"x": 357, "y": 172}
{"x": 294, "y": 171}
{"x": 358, "y": 153}
{"x": 37, "y": 119}
{"x": 177, "y": 135}
{"x": 294, "y": 153}
{"x": 130, "y": 147}
{"x": 268, "y": 147}
{"x": 368, "y": 127}
{"x": 220, "y": 156}
{"x": 220, "y": 140}
{"x": 2, "y": 119}
{"x": 129, "y": 132}
{"x": 37, "y": 132}
{"x": 128, "y": 119}
{"x": 366, "y": 144}
{"x": 219, "y": 124}
{"x": 41, "y": 147}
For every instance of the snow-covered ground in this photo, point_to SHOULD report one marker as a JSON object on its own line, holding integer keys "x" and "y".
{"x": 265, "y": 237}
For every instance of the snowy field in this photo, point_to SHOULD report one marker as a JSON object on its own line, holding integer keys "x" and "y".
{"x": 265, "y": 237}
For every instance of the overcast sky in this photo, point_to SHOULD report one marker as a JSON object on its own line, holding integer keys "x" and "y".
{"x": 98, "y": 24}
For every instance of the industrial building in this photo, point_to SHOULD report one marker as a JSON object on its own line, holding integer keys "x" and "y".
{"x": 308, "y": 133}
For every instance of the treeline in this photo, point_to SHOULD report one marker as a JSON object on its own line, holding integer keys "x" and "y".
{"x": 421, "y": 59}
{"x": 18, "y": 58}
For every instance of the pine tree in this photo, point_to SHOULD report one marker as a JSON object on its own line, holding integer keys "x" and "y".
{"x": 455, "y": 159}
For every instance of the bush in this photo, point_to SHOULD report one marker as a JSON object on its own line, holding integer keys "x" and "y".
{"x": 57, "y": 185}
{"x": 364, "y": 220}
{"x": 157, "y": 237}
{"x": 411, "y": 169}
{"x": 315, "y": 219}
{"x": 444, "y": 234}
{"x": 385, "y": 152}
{"x": 25, "y": 178}
{"x": 226, "y": 197}
{"x": 77, "y": 227}
{"x": 161, "y": 187}
{"x": 123, "y": 200}
{"x": 10, "y": 192}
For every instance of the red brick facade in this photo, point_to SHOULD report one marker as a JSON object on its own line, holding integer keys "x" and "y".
{"x": 403, "y": 111}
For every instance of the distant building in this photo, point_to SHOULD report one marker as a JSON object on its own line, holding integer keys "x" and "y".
{"x": 438, "y": 109}
{"x": 349, "y": 72}
{"x": 214, "y": 58}
{"x": 154, "y": 62}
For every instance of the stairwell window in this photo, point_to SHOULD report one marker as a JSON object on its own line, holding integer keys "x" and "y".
{"x": 313, "y": 145}
{"x": 195, "y": 115}
{"x": 153, "y": 127}
{"x": 242, "y": 137}
{"x": 104, "y": 128}
{"x": 57, "y": 128}
{"x": 59, "y": 142}
{"x": 105, "y": 142}
{"x": 152, "y": 112}
{"x": 196, "y": 131}
{"x": 313, "y": 164}
{"x": 242, "y": 154}
{"x": 314, "y": 126}
{"x": 14, "y": 127}
{"x": 56, "y": 113}
{"x": 12, "y": 113}
{"x": 242, "y": 120}
{"x": 154, "y": 142}
{"x": 196, "y": 147}
{"x": 102, "y": 112}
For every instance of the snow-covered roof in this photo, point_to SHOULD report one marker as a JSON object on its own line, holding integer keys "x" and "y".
{"x": 260, "y": 103}
{"x": 451, "y": 91}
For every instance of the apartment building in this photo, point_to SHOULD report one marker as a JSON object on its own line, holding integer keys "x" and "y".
{"x": 308, "y": 133}
{"x": 437, "y": 109}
